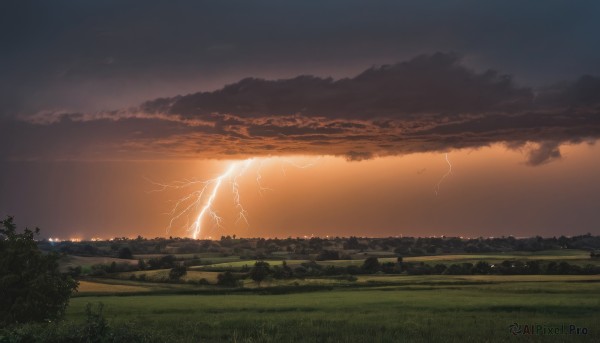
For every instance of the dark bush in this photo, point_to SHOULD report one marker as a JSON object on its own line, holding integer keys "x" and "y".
{"x": 328, "y": 255}
{"x": 177, "y": 273}
{"x": 227, "y": 279}
{"x": 125, "y": 253}
{"x": 260, "y": 271}
{"x": 31, "y": 286}
{"x": 371, "y": 265}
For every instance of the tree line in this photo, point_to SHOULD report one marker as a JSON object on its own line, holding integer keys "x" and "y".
{"x": 321, "y": 248}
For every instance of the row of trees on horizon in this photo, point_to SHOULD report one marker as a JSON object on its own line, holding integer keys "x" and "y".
{"x": 314, "y": 247}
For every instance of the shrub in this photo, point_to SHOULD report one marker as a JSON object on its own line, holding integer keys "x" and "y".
{"x": 31, "y": 286}
{"x": 176, "y": 273}
{"x": 371, "y": 265}
{"x": 227, "y": 280}
{"x": 260, "y": 271}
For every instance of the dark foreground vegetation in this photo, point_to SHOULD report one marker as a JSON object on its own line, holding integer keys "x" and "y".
{"x": 31, "y": 285}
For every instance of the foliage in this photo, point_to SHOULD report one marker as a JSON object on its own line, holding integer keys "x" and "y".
{"x": 125, "y": 253}
{"x": 283, "y": 272}
{"x": 165, "y": 262}
{"x": 301, "y": 248}
{"x": 371, "y": 265}
{"x": 94, "y": 329}
{"x": 113, "y": 267}
{"x": 177, "y": 272}
{"x": 31, "y": 286}
{"x": 74, "y": 271}
{"x": 141, "y": 264}
{"x": 95, "y": 325}
{"x": 325, "y": 255}
{"x": 260, "y": 271}
{"x": 227, "y": 279}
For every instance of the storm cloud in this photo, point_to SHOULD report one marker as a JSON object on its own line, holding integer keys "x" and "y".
{"x": 435, "y": 84}
{"x": 80, "y": 56}
{"x": 428, "y": 103}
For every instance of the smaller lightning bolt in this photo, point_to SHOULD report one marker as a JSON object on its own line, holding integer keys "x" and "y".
{"x": 261, "y": 189}
{"x": 302, "y": 166}
{"x": 449, "y": 172}
{"x": 236, "y": 192}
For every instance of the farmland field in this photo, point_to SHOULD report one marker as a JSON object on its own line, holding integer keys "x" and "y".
{"x": 432, "y": 308}
{"x": 316, "y": 299}
{"x": 98, "y": 287}
{"x": 87, "y": 262}
{"x": 571, "y": 255}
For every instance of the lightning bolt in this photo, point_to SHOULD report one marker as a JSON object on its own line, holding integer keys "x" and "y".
{"x": 261, "y": 189}
{"x": 449, "y": 172}
{"x": 204, "y": 198}
{"x": 236, "y": 192}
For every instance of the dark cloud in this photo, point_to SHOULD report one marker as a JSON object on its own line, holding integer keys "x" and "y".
{"x": 358, "y": 155}
{"x": 545, "y": 152}
{"x": 429, "y": 103}
{"x": 426, "y": 84}
{"x": 81, "y": 56}
{"x": 585, "y": 91}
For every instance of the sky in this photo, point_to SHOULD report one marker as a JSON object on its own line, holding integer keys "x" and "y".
{"x": 336, "y": 117}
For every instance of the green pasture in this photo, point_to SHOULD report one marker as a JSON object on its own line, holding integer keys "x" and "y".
{"x": 248, "y": 263}
{"x": 160, "y": 275}
{"x": 580, "y": 257}
{"x": 206, "y": 258}
{"x": 422, "y": 309}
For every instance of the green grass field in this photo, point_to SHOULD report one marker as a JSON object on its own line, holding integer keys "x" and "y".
{"x": 248, "y": 263}
{"x": 208, "y": 258}
{"x": 163, "y": 274}
{"x": 209, "y": 261}
{"x": 86, "y": 287}
{"x": 371, "y": 308}
{"x": 574, "y": 256}
{"x": 420, "y": 309}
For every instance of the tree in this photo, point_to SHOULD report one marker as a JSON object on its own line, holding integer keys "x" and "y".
{"x": 141, "y": 264}
{"x": 227, "y": 280}
{"x": 454, "y": 269}
{"x": 125, "y": 253}
{"x": 164, "y": 262}
{"x": 552, "y": 268}
{"x": 31, "y": 285}
{"x": 283, "y": 272}
{"x": 177, "y": 272}
{"x": 260, "y": 271}
{"x": 564, "y": 268}
{"x": 439, "y": 268}
{"x": 325, "y": 255}
{"x": 482, "y": 267}
{"x": 352, "y": 244}
{"x": 371, "y": 265}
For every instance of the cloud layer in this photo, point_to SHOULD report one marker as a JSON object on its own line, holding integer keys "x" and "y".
{"x": 429, "y": 103}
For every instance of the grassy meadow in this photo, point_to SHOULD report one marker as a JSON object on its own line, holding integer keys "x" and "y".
{"x": 571, "y": 255}
{"x": 421, "y": 309}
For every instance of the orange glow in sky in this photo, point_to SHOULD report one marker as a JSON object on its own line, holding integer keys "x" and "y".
{"x": 490, "y": 192}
